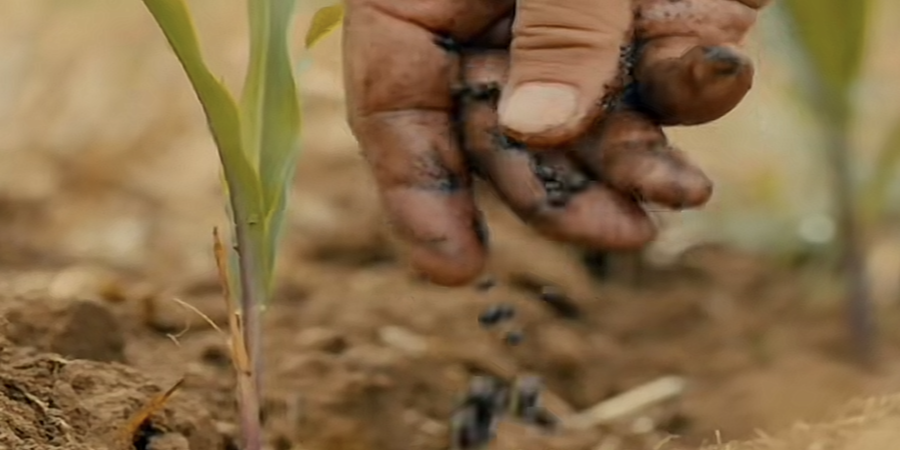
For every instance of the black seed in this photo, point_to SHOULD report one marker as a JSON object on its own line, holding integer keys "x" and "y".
{"x": 475, "y": 422}
{"x": 485, "y": 284}
{"x": 449, "y": 183}
{"x": 527, "y": 404}
{"x": 562, "y": 305}
{"x": 460, "y": 93}
{"x": 514, "y": 338}
{"x": 553, "y": 185}
{"x": 545, "y": 173}
{"x": 482, "y": 233}
{"x": 507, "y": 312}
{"x": 557, "y": 198}
{"x": 485, "y": 92}
{"x": 488, "y": 318}
{"x": 496, "y": 314}
{"x": 507, "y": 143}
{"x": 577, "y": 182}
{"x": 447, "y": 43}
{"x": 545, "y": 419}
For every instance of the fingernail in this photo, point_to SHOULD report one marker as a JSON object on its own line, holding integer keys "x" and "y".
{"x": 535, "y": 108}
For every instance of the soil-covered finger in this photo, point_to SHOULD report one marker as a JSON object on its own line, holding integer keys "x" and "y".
{"x": 505, "y": 164}
{"x": 497, "y": 36}
{"x": 528, "y": 185}
{"x": 700, "y": 86}
{"x": 602, "y": 219}
{"x": 546, "y": 189}
{"x": 564, "y": 68}
{"x": 426, "y": 191}
{"x": 690, "y": 68}
{"x": 399, "y": 108}
{"x": 630, "y": 153}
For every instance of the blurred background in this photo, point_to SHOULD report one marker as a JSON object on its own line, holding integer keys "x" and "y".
{"x": 106, "y": 167}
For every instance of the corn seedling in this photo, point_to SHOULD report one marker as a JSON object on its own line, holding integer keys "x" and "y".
{"x": 258, "y": 141}
{"x": 831, "y": 35}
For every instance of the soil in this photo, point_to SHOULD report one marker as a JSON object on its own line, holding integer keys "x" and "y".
{"x": 361, "y": 355}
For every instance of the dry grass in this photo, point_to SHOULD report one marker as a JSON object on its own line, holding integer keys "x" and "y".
{"x": 871, "y": 424}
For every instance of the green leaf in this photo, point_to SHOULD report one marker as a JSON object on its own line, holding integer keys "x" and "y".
{"x": 254, "y": 82}
{"x": 832, "y": 33}
{"x": 325, "y": 21}
{"x": 221, "y": 110}
{"x": 241, "y": 181}
{"x": 271, "y": 112}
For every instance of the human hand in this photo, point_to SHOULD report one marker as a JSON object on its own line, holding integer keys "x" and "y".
{"x": 402, "y": 61}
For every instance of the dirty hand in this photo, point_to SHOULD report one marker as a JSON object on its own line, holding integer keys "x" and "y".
{"x": 570, "y": 142}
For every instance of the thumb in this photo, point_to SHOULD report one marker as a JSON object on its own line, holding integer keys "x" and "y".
{"x": 564, "y": 58}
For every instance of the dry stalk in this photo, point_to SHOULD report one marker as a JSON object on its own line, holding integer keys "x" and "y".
{"x": 137, "y": 421}
{"x": 248, "y": 394}
{"x": 627, "y": 403}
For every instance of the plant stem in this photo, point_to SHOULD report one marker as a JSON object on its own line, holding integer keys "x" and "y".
{"x": 248, "y": 402}
{"x": 252, "y": 296}
{"x": 852, "y": 253}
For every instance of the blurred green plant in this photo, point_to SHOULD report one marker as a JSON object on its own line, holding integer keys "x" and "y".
{"x": 324, "y": 21}
{"x": 258, "y": 141}
{"x": 832, "y": 36}
{"x": 875, "y": 191}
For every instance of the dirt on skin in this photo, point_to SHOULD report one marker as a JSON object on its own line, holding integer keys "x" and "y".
{"x": 364, "y": 356}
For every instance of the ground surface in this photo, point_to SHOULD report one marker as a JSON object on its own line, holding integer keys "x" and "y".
{"x": 108, "y": 194}
{"x": 362, "y": 356}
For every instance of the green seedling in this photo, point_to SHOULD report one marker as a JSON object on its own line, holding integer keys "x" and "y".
{"x": 258, "y": 141}
{"x": 832, "y": 35}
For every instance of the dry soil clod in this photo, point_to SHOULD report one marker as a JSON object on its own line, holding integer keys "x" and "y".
{"x": 73, "y": 328}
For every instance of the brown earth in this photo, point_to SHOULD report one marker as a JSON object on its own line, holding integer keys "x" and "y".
{"x": 362, "y": 356}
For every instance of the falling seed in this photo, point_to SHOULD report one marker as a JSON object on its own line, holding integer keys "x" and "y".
{"x": 514, "y": 338}
{"x": 474, "y": 424}
{"x": 526, "y": 404}
{"x": 486, "y": 284}
{"x": 496, "y": 314}
{"x": 488, "y": 318}
{"x": 561, "y": 304}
